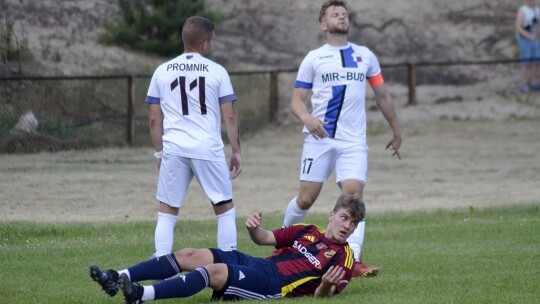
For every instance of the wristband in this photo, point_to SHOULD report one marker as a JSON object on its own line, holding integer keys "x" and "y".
{"x": 158, "y": 154}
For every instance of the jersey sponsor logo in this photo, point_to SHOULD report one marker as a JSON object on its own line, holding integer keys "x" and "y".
{"x": 188, "y": 67}
{"x": 308, "y": 255}
{"x": 326, "y": 57}
{"x": 330, "y": 253}
{"x": 347, "y": 76}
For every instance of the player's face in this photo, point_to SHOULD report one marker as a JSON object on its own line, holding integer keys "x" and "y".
{"x": 342, "y": 225}
{"x": 336, "y": 20}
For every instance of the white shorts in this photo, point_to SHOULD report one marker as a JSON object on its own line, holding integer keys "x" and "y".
{"x": 321, "y": 156}
{"x": 176, "y": 173}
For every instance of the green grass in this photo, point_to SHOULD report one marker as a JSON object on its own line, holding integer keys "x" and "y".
{"x": 464, "y": 256}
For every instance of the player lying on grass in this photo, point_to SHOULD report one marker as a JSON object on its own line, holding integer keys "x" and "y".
{"x": 308, "y": 261}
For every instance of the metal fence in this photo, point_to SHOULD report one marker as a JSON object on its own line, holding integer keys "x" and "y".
{"x": 95, "y": 111}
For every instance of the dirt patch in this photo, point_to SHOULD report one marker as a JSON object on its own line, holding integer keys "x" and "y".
{"x": 482, "y": 151}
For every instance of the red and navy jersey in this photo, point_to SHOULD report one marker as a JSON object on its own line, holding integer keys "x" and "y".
{"x": 304, "y": 255}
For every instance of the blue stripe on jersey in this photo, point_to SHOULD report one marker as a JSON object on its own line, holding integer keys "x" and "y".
{"x": 347, "y": 58}
{"x": 228, "y": 98}
{"x": 334, "y": 109}
{"x": 303, "y": 85}
{"x": 150, "y": 99}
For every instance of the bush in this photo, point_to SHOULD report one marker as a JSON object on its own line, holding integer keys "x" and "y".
{"x": 154, "y": 26}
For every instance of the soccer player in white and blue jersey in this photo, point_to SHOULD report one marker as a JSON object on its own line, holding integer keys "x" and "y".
{"x": 186, "y": 97}
{"x": 337, "y": 74}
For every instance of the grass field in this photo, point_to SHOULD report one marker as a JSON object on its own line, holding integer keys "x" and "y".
{"x": 462, "y": 256}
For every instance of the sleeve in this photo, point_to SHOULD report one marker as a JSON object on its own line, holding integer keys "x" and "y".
{"x": 285, "y": 236}
{"x": 374, "y": 73}
{"x": 304, "y": 79}
{"x": 226, "y": 92}
{"x": 153, "y": 96}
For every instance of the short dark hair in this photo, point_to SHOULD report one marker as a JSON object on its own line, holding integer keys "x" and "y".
{"x": 329, "y": 3}
{"x": 353, "y": 204}
{"x": 196, "y": 30}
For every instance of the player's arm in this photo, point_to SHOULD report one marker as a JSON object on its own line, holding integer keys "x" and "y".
{"x": 232, "y": 126}
{"x": 329, "y": 282}
{"x": 299, "y": 109}
{"x": 156, "y": 128}
{"x": 259, "y": 235}
{"x": 519, "y": 21}
{"x": 386, "y": 106}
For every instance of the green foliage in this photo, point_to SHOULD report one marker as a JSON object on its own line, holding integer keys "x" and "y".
{"x": 154, "y": 26}
{"x": 56, "y": 128}
{"x": 7, "y": 120}
{"x": 464, "y": 256}
{"x": 13, "y": 47}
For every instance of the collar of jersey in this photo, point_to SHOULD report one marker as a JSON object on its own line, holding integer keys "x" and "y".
{"x": 331, "y": 47}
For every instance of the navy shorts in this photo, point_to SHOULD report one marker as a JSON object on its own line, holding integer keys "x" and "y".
{"x": 249, "y": 277}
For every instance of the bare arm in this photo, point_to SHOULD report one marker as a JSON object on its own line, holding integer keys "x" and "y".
{"x": 232, "y": 125}
{"x": 519, "y": 28}
{"x": 330, "y": 280}
{"x": 386, "y": 106}
{"x": 299, "y": 109}
{"x": 259, "y": 235}
{"x": 156, "y": 129}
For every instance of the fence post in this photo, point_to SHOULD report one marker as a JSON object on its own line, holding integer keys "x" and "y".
{"x": 411, "y": 69}
{"x": 273, "y": 96}
{"x": 130, "y": 110}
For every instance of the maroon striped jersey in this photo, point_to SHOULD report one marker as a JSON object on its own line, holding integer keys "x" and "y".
{"x": 304, "y": 255}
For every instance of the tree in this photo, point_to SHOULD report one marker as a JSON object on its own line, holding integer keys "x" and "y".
{"x": 154, "y": 26}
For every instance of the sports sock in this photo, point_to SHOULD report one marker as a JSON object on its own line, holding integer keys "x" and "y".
{"x": 226, "y": 230}
{"x": 164, "y": 234}
{"x": 293, "y": 214}
{"x": 149, "y": 293}
{"x": 155, "y": 269}
{"x": 183, "y": 286}
{"x": 356, "y": 239}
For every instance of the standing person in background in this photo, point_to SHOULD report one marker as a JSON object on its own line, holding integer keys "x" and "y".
{"x": 185, "y": 97}
{"x": 335, "y": 131}
{"x": 527, "y": 29}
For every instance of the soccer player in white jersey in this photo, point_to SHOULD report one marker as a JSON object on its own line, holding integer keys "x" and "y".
{"x": 335, "y": 130}
{"x": 185, "y": 97}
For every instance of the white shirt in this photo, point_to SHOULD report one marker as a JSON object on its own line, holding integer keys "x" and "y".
{"x": 190, "y": 89}
{"x": 529, "y": 13}
{"x": 337, "y": 76}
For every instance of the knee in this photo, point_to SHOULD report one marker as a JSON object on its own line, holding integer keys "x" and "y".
{"x": 305, "y": 201}
{"x": 185, "y": 254}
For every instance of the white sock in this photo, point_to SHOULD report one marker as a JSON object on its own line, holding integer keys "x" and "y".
{"x": 293, "y": 214}
{"x": 356, "y": 239}
{"x": 164, "y": 234}
{"x": 149, "y": 293}
{"x": 226, "y": 230}
{"x": 125, "y": 271}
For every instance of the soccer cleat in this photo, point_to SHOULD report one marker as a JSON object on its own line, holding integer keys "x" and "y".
{"x": 132, "y": 293}
{"x": 108, "y": 280}
{"x": 361, "y": 270}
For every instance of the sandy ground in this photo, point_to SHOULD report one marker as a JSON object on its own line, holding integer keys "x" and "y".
{"x": 481, "y": 151}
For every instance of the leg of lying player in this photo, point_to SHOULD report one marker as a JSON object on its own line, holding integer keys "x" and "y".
{"x": 159, "y": 268}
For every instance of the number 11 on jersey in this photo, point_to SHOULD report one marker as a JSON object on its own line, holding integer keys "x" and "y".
{"x": 198, "y": 82}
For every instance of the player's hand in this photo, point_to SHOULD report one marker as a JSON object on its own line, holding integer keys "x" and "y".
{"x": 254, "y": 221}
{"x": 316, "y": 127}
{"x": 236, "y": 165}
{"x": 394, "y": 144}
{"x": 334, "y": 276}
{"x": 158, "y": 163}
